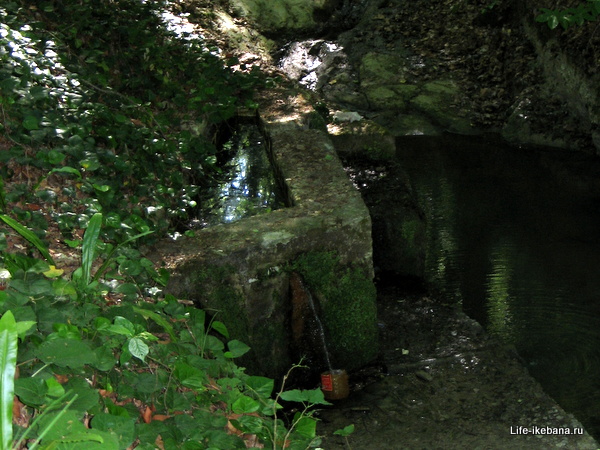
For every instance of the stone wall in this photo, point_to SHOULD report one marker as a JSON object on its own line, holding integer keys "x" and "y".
{"x": 240, "y": 271}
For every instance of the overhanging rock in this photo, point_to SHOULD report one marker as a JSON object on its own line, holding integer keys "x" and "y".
{"x": 241, "y": 270}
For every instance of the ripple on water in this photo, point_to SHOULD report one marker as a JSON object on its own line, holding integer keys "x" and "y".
{"x": 520, "y": 254}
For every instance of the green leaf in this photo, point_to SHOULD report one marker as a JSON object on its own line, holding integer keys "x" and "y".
{"x": 31, "y": 391}
{"x": 29, "y": 235}
{"x": 314, "y": 396}
{"x": 138, "y": 348}
{"x": 346, "y": 431}
{"x": 160, "y": 320}
{"x": 8, "y": 363}
{"x": 249, "y": 424}
{"x": 101, "y": 187}
{"x": 261, "y": 385}
{"x": 55, "y": 389}
{"x": 31, "y": 123}
{"x": 66, "y": 169}
{"x": 66, "y": 353}
{"x": 236, "y": 349}
{"x": 190, "y": 377}
{"x": 121, "y": 427}
{"x": 105, "y": 359}
{"x": 130, "y": 267}
{"x": 88, "y": 247}
{"x": 220, "y": 327}
{"x": 245, "y": 405}
{"x": 122, "y": 326}
{"x": 59, "y": 424}
{"x": 305, "y": 426}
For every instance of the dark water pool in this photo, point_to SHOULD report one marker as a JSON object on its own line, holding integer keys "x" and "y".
{"x": 519, "y": 249}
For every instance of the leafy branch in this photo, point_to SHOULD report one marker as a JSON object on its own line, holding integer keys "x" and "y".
{"x": 571, "y": 16}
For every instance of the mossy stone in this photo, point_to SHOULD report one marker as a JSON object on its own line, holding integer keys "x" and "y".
{"x": 347, "y": 301}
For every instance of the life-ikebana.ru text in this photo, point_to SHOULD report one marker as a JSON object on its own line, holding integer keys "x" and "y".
{"x": 546, "y": 430}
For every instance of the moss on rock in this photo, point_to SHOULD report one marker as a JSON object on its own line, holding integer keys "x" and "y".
{"x": 347, "y": 301}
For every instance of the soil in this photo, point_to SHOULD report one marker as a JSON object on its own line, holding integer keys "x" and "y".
{"x": 442, "y": 383}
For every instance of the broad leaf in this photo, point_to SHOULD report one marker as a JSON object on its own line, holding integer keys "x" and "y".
{"x": 66, "y": 353}
{"x": 8, "y": 363}
{"x": 236, "y": 349}
{"x": 88, "y": 247}
{"x": 138, "y": 348}
{"x": 261, "y": 385}
{"x": 29, "y": 235}
{"x": 245, "y": 405}
{"x": 305, "y": 426}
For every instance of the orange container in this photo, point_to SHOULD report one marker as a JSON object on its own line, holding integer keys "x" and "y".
{"x": 334, "y": 384}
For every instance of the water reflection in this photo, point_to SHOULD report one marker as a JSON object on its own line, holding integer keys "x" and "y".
{"x": 520, "y": 253}
{"x": 249, "y": 189}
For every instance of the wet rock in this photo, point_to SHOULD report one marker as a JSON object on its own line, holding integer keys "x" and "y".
{"x": 399, "y": 225}
{"x": 363, "y": 137}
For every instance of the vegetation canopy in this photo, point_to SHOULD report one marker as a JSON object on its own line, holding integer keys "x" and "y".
{"x": 108, "y": 134}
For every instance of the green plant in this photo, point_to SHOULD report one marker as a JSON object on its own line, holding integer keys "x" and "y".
{"x": 570, "y": 16}
{"x": 10, "y": 331}
{"x": 162, "y": 357}
{"x": 118, "y": 107}
{"x": 28, "y": 235}
{"x": 8, "y": 363}
{"x": 345, "y": 432}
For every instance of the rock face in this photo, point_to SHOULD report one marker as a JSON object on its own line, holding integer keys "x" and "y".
{"x": 567, "y": 81}
{"x": 241, "y": 270}
{"x": 272, "y": 16}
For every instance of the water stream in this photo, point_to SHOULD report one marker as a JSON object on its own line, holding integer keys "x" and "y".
{"x": 520, "y": 252}
{"x": 320, "y": 329}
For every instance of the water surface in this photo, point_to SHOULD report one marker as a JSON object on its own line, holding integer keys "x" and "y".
{"x": 520, "y": 252}
{"x": 249, "y": 186}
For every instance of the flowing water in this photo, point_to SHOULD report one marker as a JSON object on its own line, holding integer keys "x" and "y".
{"x": 320, "y": 329}
{"x": 520, "y": 252}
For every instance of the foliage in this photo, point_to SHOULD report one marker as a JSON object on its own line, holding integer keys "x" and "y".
{"x": 570, "y": 16}
{"x": 120, "y": 109}
{"x": 110, "y": 124}
{"x": 144, "y": 371}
